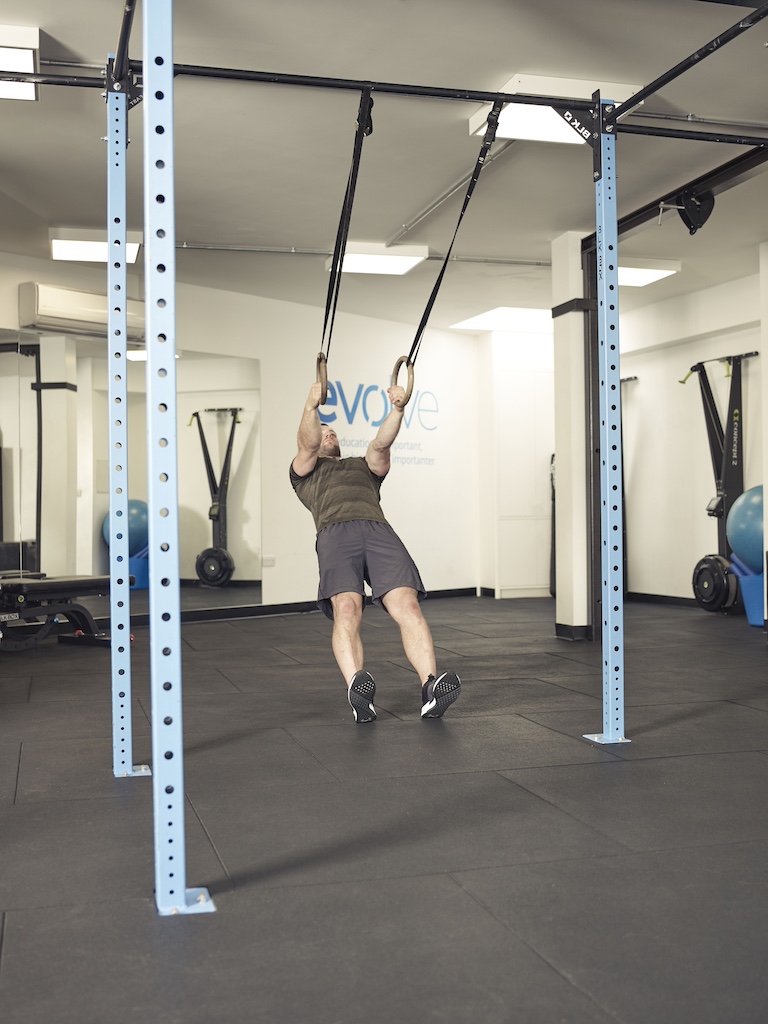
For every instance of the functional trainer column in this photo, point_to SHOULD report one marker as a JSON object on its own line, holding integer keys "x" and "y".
{"x": 171, "y": 894}
{"x": 117, "y": 306}
{"x": 611, "y": 500}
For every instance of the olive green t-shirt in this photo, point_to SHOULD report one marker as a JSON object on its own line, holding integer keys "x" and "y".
{"x": 339, "y": 491}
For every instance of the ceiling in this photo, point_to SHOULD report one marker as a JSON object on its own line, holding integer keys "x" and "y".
{"x": 264, "y": 166}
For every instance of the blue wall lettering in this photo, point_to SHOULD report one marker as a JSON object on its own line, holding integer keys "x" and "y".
{"x": 374, "y": 405}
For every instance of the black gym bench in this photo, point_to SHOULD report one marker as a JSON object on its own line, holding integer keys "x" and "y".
{"x": 31, "y": 604}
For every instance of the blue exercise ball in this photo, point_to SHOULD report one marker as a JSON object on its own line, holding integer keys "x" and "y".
{"x": 744, "y": 528}
{"x": 138, "y": 526}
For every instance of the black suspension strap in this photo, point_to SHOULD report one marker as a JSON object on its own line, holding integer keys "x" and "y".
{"x": 409, "y": 360}
{"x": 364, "y": 128}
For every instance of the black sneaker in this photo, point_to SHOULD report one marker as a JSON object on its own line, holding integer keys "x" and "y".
{"x": 438, "y": 694}
{"x": 360, "y": 696}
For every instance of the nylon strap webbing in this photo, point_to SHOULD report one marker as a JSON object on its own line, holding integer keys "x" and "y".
{"x": 364, "y": 127}
{"x": 490, "y": 135}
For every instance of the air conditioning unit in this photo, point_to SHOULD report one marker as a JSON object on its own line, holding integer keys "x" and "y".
{"x": 48, "y": 308}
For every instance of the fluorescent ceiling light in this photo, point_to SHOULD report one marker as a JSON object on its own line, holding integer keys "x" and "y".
{"x": 375, "y": 258}
{"x": 18, "y": 52}
{"x": 514, "y": 319}
{"x": 639, "y": 273}
{"x": 544, "y": 124}
{"x": 83, "y": 246}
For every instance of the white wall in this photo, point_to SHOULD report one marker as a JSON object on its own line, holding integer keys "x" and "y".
{"x": 516, "y": 417}
{"x": 487, "y": 482}
{"x": 525, "y": 413}
{"x": 668, "y": 470}
{"x": 524, "y": 404}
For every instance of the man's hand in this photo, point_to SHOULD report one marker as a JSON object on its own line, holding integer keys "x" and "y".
{"x": 313, "y": 399}
{"x": 396, "y": 395}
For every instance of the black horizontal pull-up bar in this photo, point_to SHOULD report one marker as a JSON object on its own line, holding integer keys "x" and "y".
{"x": 713, "y": 45}
{"x": 358, "y": 84}
{"x": 682, "y": 133}
{"x": 38, "y": 79}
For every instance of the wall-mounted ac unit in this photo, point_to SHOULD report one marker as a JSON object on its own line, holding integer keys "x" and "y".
{"x": 48, "y": 308}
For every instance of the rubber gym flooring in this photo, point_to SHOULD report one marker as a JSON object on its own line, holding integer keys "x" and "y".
{"x": 489, "y": 867}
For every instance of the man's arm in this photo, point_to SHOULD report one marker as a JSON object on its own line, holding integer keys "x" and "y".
{"x": 377, "y": 455}
{"x": 310, "y": 434}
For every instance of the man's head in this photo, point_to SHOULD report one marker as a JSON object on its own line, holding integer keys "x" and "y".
{"x": 329, "y": 445}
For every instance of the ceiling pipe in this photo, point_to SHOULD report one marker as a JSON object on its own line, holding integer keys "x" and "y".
{"x": 431, "y": 207}
{"x": 294, "y": 251}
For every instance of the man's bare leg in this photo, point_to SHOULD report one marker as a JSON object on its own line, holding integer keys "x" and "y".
{"x": 402, "y": 603}
{"x": 437, "y": 694}
{"x": 348, "y": 651}
{"x": 346, "y": 642}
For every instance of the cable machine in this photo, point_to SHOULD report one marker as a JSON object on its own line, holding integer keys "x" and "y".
{"x": 215, "y": 565}
{"x": 715, "y": 587}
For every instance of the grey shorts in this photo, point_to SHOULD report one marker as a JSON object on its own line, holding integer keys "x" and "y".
{"x": 351, "y": 554}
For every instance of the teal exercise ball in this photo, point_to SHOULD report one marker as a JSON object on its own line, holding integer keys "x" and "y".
{"x": 744, "y": 528}
{"x": 138, "y": 526}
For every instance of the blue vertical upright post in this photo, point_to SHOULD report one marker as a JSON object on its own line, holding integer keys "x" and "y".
{"x": 611, "y": 500}
{"x": 117, "y": 329}
{"x": 171, "y": 894}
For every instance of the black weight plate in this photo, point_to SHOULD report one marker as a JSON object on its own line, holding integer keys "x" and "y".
{"x": 214, "y": 567}
{"x": 714, "y": 585}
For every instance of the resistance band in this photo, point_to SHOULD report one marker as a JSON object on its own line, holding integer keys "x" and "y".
{"x": 410, "y": 359}
{"x": 364, "y": 128}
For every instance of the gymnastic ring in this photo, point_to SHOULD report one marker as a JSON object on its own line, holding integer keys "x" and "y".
{"x": 409, "y": 386}
{"x": 322, "y": 376}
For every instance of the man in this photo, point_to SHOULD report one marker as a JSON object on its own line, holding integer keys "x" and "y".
{"x": 355, "y": 543}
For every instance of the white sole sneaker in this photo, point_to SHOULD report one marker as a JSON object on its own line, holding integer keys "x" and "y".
{"x": 445, "y": 690}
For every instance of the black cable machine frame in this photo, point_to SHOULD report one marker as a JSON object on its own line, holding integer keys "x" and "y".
{"x": 214, "y": 566}
{"x": 715, "y": 587}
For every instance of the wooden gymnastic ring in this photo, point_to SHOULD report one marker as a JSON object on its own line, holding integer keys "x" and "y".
{"x": 409, "y": 386}
{"x": 322, "y": 377}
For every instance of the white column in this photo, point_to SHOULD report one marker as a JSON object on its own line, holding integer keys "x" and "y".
{"x": 572, "y": 576}
{"x": 487, "y": 463}
{"x": 58, "y": 534}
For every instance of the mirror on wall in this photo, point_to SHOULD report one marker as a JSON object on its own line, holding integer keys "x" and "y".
{"x": 19, "y": 491}
{"x": 54, "y": 521}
